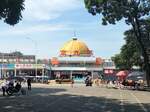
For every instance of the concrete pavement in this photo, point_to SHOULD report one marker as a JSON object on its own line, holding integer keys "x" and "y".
{"x": 64, "y": 98}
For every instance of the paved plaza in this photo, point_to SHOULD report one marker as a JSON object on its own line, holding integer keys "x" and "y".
{"x": 63, "y": 98}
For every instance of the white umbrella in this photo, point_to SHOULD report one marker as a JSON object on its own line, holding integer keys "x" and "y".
{"x": 136, "y": 73}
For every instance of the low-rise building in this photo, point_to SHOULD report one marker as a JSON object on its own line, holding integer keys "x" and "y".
{"x": 16, "y": 57}
{"x": 76, "y": 61}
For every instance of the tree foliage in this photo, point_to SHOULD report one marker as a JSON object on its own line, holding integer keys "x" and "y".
{"x": 130, "y": 54}
{"x": 10, "y": 11}
{"x": 134, "y": 12}
{"x": 17, "y": 53}
{"x": 119, "y": 62}
{"x": 115, "y": 10}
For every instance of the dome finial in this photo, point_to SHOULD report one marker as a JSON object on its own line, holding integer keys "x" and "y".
{"x": 74, "y": 36}
{"x": 74, "y": 33}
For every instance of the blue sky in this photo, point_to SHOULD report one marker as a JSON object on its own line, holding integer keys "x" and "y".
{"x": 47, "y": 25}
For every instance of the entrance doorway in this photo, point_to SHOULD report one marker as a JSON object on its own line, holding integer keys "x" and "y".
{"x": 79, "y": 76}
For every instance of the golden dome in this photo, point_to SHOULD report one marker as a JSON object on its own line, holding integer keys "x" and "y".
{"x": 75, "y": 47}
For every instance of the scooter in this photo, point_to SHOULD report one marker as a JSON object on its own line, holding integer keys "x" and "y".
{"x": 11, "y": 90}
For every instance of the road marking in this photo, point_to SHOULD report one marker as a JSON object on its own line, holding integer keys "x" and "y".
{"x": 139, "y": 102}
{"x": 121, "y": 102}
{"x": 106, "y": 101}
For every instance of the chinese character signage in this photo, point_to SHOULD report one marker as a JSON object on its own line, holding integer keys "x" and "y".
{"x": 29, "y": 66}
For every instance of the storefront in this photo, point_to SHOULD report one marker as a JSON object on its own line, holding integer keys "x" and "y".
{"x": 7, "y": 70}
{"x": 78, "y": 74}
{"x": 25, "y": 70}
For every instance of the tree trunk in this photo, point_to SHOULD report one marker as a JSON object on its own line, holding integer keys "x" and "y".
{"x": 148, "y": 74}
{"x": 138, "y": 34}
{"x": 146, "y": 67}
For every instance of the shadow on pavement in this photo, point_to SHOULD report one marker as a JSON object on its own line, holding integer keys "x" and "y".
{"x": 50, "y": 100}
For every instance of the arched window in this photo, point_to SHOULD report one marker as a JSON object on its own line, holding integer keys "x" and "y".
{"x": 76, "y": 53}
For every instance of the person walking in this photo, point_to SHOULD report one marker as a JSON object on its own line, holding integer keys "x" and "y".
{"x": 72, "y": 82}
{"x": 4, "y": 87}
{"x": 29, "y": 83}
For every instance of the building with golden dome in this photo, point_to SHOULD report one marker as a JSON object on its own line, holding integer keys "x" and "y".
{"x": 75, "y": 47}
{"x": 75, "y": 61}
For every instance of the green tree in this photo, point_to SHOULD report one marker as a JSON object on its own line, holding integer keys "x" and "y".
{"x": 119, "y": 62}
{"x": 134, "y": 12}
{"x": 17, "y": 53}
{"x": 10, "y": 11}
{"x": 129, "y": 55}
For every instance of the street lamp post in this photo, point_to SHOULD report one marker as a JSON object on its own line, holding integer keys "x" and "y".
{"x": 35, "y": 44}
{"x": 2, "y": 72}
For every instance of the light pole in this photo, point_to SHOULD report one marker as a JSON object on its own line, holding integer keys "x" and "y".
{"x": 2, "y": 72}
{"x": 35, "y": 44}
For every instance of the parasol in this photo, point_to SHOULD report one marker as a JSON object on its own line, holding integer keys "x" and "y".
{"x": 136, "y": 75}
{"x": 122, "y": 74}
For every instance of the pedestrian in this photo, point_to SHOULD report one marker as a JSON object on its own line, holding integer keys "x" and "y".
{"x": 87, "y": 81}
{"x": 72, "y": 82}
{"x": 4, "y": 87}
{"x": 97, "y": 81}
{"x": 29, "y": 83}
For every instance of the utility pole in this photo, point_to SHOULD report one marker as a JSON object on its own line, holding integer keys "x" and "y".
{"x": 2, "y": 72}
{"x": 35, "y": 44}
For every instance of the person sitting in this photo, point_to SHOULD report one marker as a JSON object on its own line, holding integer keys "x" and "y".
{"x": 13, "y": 89}
{"x": 10, "y": 85}
{"x": 17, "y": 87}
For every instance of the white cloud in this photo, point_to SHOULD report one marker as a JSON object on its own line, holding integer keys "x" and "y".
{"x": 48, "y": 9}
